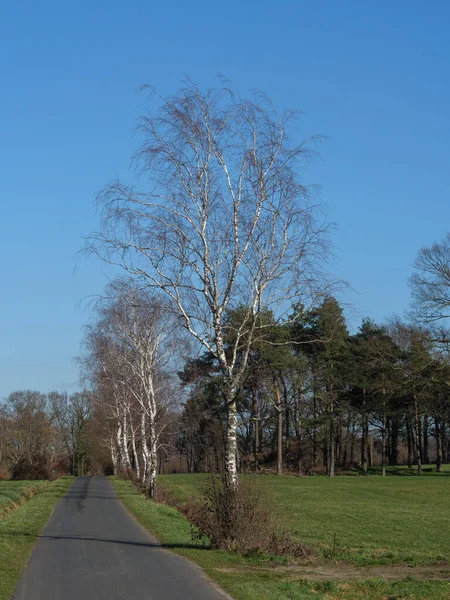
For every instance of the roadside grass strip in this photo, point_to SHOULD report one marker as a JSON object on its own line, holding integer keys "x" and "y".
{"x": 20, "y": 529}
{"x": 15, "y": 493}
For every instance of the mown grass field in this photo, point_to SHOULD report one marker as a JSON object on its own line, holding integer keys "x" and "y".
{"x": 371, "y": 522}
{"x": 367, "y": 520}
{"x": 20, "y": 529}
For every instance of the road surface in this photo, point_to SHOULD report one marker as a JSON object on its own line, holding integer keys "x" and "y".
{"x": 92, "y": 549}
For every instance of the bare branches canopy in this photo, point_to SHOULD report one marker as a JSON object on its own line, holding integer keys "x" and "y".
{"x": 220, "y": 220}
{"x": 430, "y": 283}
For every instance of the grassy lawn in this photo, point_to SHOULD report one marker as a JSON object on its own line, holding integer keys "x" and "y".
{"x": 20, "y": 529}
{"x": 367, "y": 520}
{"x": 14, "y": 493}
{"x": 300, "y": 501}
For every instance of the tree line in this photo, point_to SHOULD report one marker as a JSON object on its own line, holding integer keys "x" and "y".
{"x": 314, "y": 398}
{"x": 46, "y": 435}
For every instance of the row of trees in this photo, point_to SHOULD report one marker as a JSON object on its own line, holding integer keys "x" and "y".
{"x": 43, "y": 435}
{"x": 314, "y": 395}
{"x": 131, "y": 346}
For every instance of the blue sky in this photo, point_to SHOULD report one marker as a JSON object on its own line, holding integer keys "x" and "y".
{"x": 373, "y": 77}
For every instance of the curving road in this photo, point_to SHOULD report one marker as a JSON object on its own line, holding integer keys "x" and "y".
{"x": 92, "y": 549}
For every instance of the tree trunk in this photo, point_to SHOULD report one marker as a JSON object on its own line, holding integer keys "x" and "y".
{"x": 135, "y": 454}
{"x": 346, "y": 440}
{"x": 418, "y": 431}
{"x": 331, "y": 454}
{"x": 126, "y": 453}
{"x": 120, "y": 454}
{"x": 370, "y": 452}
{"x": 352, "y": 445}
{"x": 426, "y": 458}
{"x": 417, "y": 435}
{"x": 279, "y": 426}
{"x": 437, "y": 435}
{"x": 144, "y": 449}
{"x": 152, "y": 468}
{"x": 364, "y": 434}
{"x": 287, "y": 419}
{"x": 338, "y": 443}
{"x": 383, "y": 437}
{"x": 409, "y": 441}
{"x": 383, "y": 447}
{"x": 113, "y": 457}
{"x": 393, "y": 449}
{"x": 255, "y": 420}
{"x": 299, "y": 431}
{"x": 331, "y": 439}
{"x": 231, "y": 440}
{"x": 314, "y": 434}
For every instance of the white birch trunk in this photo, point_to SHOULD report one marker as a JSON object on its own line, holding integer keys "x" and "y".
{"x": 114, "y": 456}
{"x": 145, "y": 453}
{"x": 231, "y": 443}
{"x": 153, "y": 457}
{"x": 135, "y": 454}
{"x": 126, "y": 453}
{"x": 120, "y": 455}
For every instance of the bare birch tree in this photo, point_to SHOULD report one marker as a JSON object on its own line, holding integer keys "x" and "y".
{"x": 132, "y": 344}
{"x": 220, "y": 220}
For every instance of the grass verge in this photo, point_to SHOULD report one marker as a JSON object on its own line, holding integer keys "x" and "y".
{"x": 257, "y": 577}
{"x": 20, "y": 529}
{"x": 14, "y": 493}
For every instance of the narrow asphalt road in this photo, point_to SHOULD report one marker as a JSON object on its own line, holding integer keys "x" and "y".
{"x": 91, "y": 549}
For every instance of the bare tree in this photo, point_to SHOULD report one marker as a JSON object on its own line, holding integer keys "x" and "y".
{"x": 221, "y": 221}
{"x": 430, "y": 283}
{"x": 31, "y": 440}
{"x": 129, "y": 348}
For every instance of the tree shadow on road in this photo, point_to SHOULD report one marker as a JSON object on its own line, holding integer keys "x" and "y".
{"x": 103, "y": 540}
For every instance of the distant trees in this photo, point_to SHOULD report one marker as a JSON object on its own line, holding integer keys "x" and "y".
{"x": 222, "y": 222}
{"x": 43, "y": 435}
{"x": 313, "y": 398}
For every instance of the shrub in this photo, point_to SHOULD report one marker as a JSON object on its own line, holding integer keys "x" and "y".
{"x": 25, "y": 469}
{"x": 233, "y": 517}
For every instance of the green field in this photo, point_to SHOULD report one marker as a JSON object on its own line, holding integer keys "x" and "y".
{"x": 20, "y": 528}
{"x": 390, "y": 531}
{"x": 368, "y": 520}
